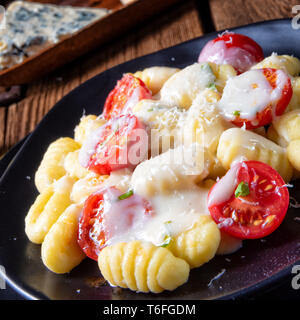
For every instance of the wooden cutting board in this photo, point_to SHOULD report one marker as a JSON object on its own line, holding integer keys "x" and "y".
{"x": 121, "y": 19}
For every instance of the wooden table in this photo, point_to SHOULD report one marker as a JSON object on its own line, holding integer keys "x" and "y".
{"x": 184, "y": 21}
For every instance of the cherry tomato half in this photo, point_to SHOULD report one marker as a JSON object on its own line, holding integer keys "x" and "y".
{"x": 250, "y": 201}
{"x": 255, "y": 97}
{"x": 232, "y": 48}
{"x": 128, "y": 92}
{"x": 120, "y": 143}
{"x": 106, "y": 214}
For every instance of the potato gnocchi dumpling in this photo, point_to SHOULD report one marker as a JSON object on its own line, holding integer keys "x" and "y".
{"x": 287, "y": 63}
{"x": 73, "y": 167}
{"x": 238, "y": 144}
{"x": 182, "y": 88}
{"x": 143, "y": 267}
{"x": 287, "y": 127}
{"x": 164, "y": 124}
{"x": 52, "y": 166}
{"x": 60, "y": 250}
{"x": 295, "y": 101}
{"x": 155, "y": 77}
{"x": 47, "y": 208}
{"x": 86, "y": 126}
{"x": 293, "y": 153}
{"x": 223, "y": 72}
{"x": 166, "y": 172}
{"x": 204, "y": 123}
{"x": 198, "y": 244}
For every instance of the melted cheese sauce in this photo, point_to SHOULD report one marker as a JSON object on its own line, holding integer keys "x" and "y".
{"x": 225, "y": 187}
{"x": 92, "y": 183}
{"x": 172, "y": 214}
{"x": 249, "y": 94}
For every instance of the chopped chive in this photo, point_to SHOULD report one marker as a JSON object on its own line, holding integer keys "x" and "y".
{"x": 167, "y": 241}
{"x": 126, "y": 195}
{"x": 212, "y": 86}
{"x": 150, "y": 110}
{"x": 242, "y": 190}
{"x": 236, "y": 113}
{"x": 206, "y": 67}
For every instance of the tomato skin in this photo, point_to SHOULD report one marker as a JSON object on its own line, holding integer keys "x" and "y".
{"x": 115, "y": 142}
{"x": 266, "y": 116}
{"x": 231, "y": 48}
{"x": 88, "y": 246}
{"x": 257, "y": 214}
{"x": 129, "y": 87}
{"x": 94, "y": 227}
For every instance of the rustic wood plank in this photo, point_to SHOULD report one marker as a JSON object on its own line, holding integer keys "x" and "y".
{"x": 179, "y": 24}
{"x": 233, "y": 13}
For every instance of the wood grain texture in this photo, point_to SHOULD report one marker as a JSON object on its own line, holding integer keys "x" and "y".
{"x": 178, "y": 24}
{"x": 232, "y": 13}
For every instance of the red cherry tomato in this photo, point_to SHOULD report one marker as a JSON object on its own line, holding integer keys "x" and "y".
{"x": 253, "y": 87}
{"x": 108, "y": 213}
{"x": 250, "y": 201}
{"x": 91, "y": 235}
{"x": 232, "y": 48}
{"x": 121, "y": 143}
{"x": 128, "y": 91}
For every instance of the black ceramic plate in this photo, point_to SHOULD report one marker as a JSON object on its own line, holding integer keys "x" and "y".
{"x": 259, "y": 265}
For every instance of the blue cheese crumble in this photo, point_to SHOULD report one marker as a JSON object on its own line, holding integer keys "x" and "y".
{"x": 31, "y": 27}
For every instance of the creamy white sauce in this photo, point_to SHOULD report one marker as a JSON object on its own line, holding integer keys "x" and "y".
{"x": 172, "y": 214}
{"x": 132, "y": 101}
{"x": 249, "y": 94}
{"x": 89, "y": 146}
{"x": 225, "y": 187}
{"x": 91, "y": 183}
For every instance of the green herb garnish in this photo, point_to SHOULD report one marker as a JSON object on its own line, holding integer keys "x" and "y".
{"x": 167, "y": 240}
{"x": 206, "y": 67}
{"x": 212, "y": 86}
{"x": 126, "y": 195}
{"x": 236, "y": 113}
{"x": 242, "y": 190}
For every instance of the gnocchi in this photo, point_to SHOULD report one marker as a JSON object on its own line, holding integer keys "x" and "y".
{"x": 236, "y": 144}
{"x": 52, "y": 165}
{"x": 167, "y": 172}
{"x": 60, "y": 250}
{"x": 142, "y": 267}
{"x": 47, "y": 208}
{"x": 86, "y": 126}
{"x": 198, "y": 244}
{"x": 289, "y": 64}
{"x": 155, "y": 77}
{"x": 182, "y": 88}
